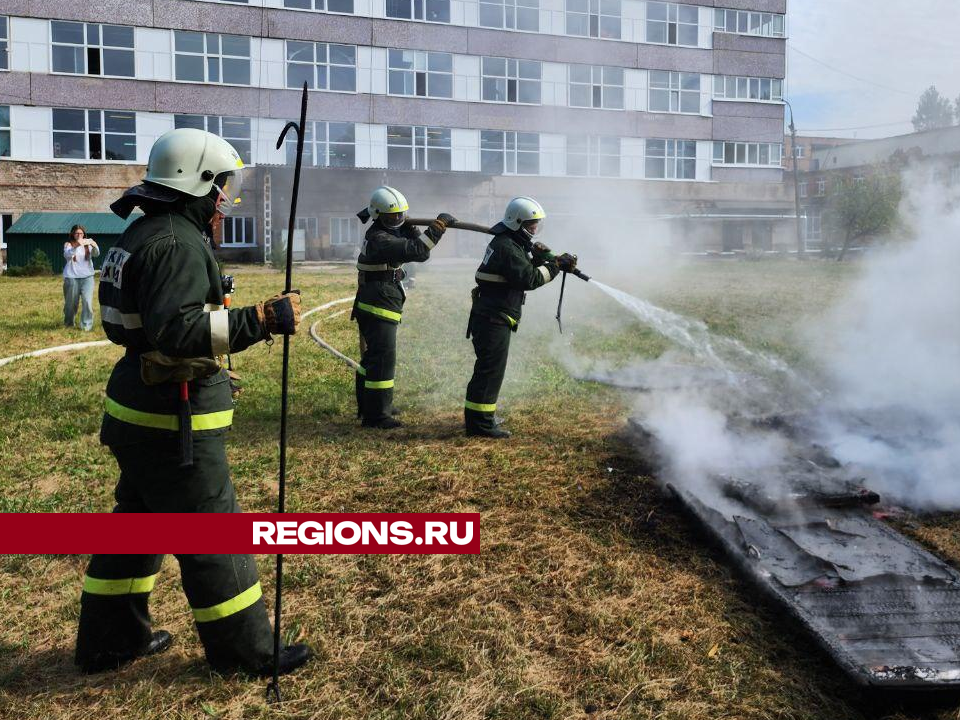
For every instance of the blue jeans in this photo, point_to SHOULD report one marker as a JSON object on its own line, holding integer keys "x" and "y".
{"x": 74, "y": 290}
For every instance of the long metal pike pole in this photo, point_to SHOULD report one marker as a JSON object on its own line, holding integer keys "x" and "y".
{"x": 273, "y": 688}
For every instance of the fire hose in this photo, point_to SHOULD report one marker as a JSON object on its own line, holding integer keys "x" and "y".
{"x": 474, "y": 227}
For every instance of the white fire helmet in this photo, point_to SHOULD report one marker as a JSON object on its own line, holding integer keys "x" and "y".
{"x": 521, "y": 210}
{"x": 387, "y": 200}
{"x": 194, "y": 162}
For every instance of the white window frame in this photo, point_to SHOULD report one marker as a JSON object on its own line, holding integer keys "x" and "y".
{"x": 749, "y": 22}
{"x": 813, "y": 219}
{"x": 313, "y": 148}
{"x": 512, "y": 79}
{"x": 309, "y": 225}
{"x": 675, "y": 90}
{"x": 597, "y": 71}
{"x": 509, "y": 12}
{"x": 510, "y": 150}
{"x": 418, "y": 11}
{"x": 87, "y": 132}
{"x": 207, "y": 56}
{"x": 245, "y": 242}
{"x": 672, "y": 24}
{"x": 215, "y": 125}
{"x": 821, "y": 187}
{"x": 595, "y": 153}
{"x": 5, "y": 130}
{"x": 421, "y": 61}
{"x": 421, "y": 145}
{"x": 673, "y": 160}
{"x": 4, "y": 42}
{"x": 86, "y": 46}
{"x": 327, "y": 65}
{"x": 337, "y": 227}
{"x": 322, "y": 6}
{"x": 799, "y": 152}
{"x": 747, "y": 89}
{"x": 731, "y": 153}
{"x": 595, "y": 13}
{"x": 803, "y": 189}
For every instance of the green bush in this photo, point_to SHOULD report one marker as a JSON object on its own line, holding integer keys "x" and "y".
{"x": 278, "y": 256}
{"x": 39, "y": 264}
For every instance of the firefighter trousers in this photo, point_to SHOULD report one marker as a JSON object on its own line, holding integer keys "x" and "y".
{"x": 223, "y": 591}
{"x": 374, "y": 379}
{"x": 491, "y": 343}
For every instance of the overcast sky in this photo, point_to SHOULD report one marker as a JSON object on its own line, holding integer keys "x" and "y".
{"x": 897, "y": 48}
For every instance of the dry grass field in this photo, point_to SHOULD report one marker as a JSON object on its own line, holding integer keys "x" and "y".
{"x": 592, "y": 596}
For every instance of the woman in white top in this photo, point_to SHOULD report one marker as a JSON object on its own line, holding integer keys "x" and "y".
{"x": 78, "y": 253}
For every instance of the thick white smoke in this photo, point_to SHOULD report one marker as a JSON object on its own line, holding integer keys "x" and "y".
{"x": 889, "y": 360}
{"x": 891, "y": 353}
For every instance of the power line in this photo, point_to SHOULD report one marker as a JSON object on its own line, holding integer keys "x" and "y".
{"x": 844, "y": 72}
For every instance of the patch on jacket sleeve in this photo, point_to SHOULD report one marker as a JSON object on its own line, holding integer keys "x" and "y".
{"x": 112, "y": 270}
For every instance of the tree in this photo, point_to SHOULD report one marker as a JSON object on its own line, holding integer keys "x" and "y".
{"x": 933, "y": 111}
{"x": 864, "y": 207}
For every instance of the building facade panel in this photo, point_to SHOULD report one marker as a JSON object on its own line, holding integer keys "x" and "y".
{"x": 748, "y": 176}
{"x": 662, "y": 125}
{"x": 127, "y": 12}
{"x": 14, "y": 88}
{"x": 755, "y": 129}
{"x": 91, "y": 92}
{"x": 773, "y": 6}
{"x": 664, "y": 57}
{"x": 751, "y": 64}
{"x": 414, "y": 36}
{"x": 14, "y": 7}
{"x": 735, "y": 109}
{"x": 318, "y": 26}
{"x": 233, "y": 18}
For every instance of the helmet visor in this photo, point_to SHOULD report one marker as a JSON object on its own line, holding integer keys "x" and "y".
{"x": 532, "y": 227}
{"x": 228, "y": 186}
{"x": 393, "y": 220}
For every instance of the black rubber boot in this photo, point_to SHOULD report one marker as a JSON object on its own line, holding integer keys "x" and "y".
{"x": 495, "y": 432}
{"x": 159, "y": 642}
{"x": 291, "y": 658}
{"x": 383, "y": 424}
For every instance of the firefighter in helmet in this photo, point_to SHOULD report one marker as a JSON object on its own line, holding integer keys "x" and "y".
{"x": 512, "y": 264}
{"x": 389, "y": 243}
{"x": 169, "y": 405}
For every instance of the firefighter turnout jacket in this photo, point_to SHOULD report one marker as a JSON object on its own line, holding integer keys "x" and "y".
{"x": 508, "y": 270}
{"x": 161, "y": 298}
{"x": 384, "y": 251}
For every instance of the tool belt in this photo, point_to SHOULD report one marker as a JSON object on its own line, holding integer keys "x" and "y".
{"x": 366, "y": 276}
{"x": 157, "y": 368}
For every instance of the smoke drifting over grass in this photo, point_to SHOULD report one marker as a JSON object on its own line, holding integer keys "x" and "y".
{"x": 883, "y": 396}
{"x": 891, "y": 356}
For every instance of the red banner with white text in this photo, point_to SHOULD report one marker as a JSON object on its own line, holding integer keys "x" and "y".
{"x": 255, "y": 533}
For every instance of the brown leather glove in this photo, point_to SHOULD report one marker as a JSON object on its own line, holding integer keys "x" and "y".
{"x": 236, "y": 387}
{"x": 280, "y": 314}
{"x": 438, "y": 227}
{"x": 567, "y": 262}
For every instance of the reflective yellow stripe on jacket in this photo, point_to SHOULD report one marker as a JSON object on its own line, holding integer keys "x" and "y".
{"x": 229, "y": 607}
{"x": 380, "y": 312}
{"x": 160, "y": 421}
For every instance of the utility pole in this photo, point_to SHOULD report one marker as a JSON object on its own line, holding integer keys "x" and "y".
{"x": 801, "y": 250}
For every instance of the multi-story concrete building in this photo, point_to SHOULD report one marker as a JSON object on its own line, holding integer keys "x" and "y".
{"x": 936, "y": 152}
{"x": 673, "y": 110}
